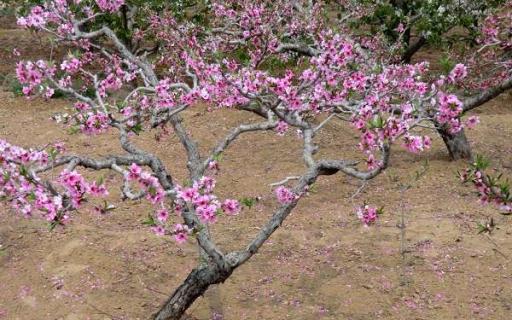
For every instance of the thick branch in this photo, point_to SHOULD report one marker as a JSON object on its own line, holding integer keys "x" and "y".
{"x": 412, "y": 49}
{"x": 298, "y": 48}
{"x": 192, "y": 288}
{"x": 95, "y": 164}
{"x": 190, "y": 145}
{"x": 323, "y": 167}
{"x": 155, "y": 163}
{"x": 122, "y": 49}
{"x": 487, "y": 95}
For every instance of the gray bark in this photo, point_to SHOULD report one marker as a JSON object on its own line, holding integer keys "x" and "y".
{"x": 487, "y": 95}
{"x": 457, "y": 144}
{"x": 222, "y": 266}
{"x": 194, "y": 286}
{"x": 412, "y": 49}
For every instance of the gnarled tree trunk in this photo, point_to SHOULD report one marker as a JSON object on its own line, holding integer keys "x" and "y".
{"x": 456, "y": 143}
{"x": 192, "y": 288}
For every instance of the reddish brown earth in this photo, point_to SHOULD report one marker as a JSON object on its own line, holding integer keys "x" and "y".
{"x": 322, "y": 264}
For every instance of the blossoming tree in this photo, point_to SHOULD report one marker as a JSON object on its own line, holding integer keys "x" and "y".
{"x": 171, "y": 65}
{"x": 423, "y": 22}
{"x": 473, "y": 32}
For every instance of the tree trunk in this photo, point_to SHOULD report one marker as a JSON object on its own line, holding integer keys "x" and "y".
{"x": 412, "y": 49}
{"x": 194, "y": 286}
{"x": 213, "y": 294}
{"x": 457, "y": 144}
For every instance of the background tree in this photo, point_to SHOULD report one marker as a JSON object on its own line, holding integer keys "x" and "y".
{"x": 450, "y": 25}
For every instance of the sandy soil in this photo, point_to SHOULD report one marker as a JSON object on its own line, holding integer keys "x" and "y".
{"x": 322, "y": 264}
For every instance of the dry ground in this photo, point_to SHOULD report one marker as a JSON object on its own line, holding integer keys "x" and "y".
{"x": 322, "y": 264}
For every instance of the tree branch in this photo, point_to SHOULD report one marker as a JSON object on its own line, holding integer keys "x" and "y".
{"x": 487, "y": 95}
{"x": 413, "y": 48}
{"x": 234, "y": 134}
{"x": 323, "y": 167}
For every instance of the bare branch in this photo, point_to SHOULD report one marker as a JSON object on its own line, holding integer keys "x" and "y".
{"x": 298, "y": 48}
{"x": 234, "y": 134}
{"x": 323, "y": 167}
{"x": 284, "y": 181}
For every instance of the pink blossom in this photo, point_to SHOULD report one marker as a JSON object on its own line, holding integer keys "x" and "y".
{"x": 281, "y": 127}
{"x": 49, "y": 93}
{"x": 75, "y": 185}
{"x": 400, "y": 28}
{"x": 111, "y": 83}
{"x": 213, "y": 166}
{"x": 459, "y": 72}
{"x": 82, "y": 106}
{"x": 71, "y": 66}
{"x": 98, "y": 190}
{"x": 158, "y": 230}
{"x": 109, "y": 5}
{"x": 231, "y": 207}
{"x": 95, "y": 123}
{"x": 449, "y": 111}
{"x": 181, "y": 233}
{"x": 472, "y": 121}
{"x": 367, "y": 214}
{"x": 134, "y": 172}
{"x": 285, "y": 195}
{"x": 206, "y": 183}
{"x": 416, "y": 144}
{"x": 155, "y": 193}
{"x": 37, "y": 18}
{"x": 207, "y": 214}
{"x": 188, "y": 194}
{"x": 162, "y": 215}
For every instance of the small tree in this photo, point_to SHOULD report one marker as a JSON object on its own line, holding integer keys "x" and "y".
{"x": 274, "y": 59}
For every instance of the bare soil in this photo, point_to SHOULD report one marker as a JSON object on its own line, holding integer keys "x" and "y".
{"x": 321, "y": 264}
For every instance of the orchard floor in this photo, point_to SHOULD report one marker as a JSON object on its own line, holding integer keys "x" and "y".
{"x": 321, "y": 264}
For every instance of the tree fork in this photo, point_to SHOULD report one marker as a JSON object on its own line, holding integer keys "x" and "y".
{"x": 456, "y": 143}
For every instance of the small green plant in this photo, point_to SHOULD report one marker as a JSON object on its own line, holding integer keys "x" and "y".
{"x": 446, "y": 64}
{"x": 248, "y": 202}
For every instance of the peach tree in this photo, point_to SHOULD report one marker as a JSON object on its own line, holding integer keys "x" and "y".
{"x": 468, "y": 31}
{"x": 280, "y": 61}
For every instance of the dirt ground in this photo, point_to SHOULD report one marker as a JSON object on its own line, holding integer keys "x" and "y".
{"x": 322, "y": 264}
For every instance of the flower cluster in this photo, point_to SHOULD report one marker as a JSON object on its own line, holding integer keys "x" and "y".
{"x": 181, "y": 233}
{"x": 200, "y": 199}
{"x": 285, "y": 195}
{"x": 94, "y": 123}
{"x": 449, "y": 111}
{"x": 367, "y": 214}
{"x": 458, "y": 73}
{"x": 77, "y": 187}
{"x": 37, "y": 18}
{"x": 197, "y": 199}
{"x": 148, "y": 183}
{"x": 31, "y": 75}
{"x": 29, "y": 194}
{"x": 165, "y": 97}
{"x": 416, "y": 144}
{"x": 109, "y": 5}
{"x": 491, "y": 189}
{"x": 71, "y": 66}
